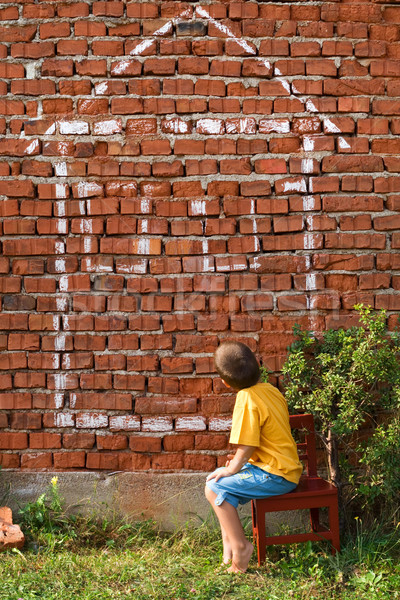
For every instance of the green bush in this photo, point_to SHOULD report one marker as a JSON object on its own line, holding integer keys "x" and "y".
{"x": 348, "y": 379}
{"x": 380, "y": 480}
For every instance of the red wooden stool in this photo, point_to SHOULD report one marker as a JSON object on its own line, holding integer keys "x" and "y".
{"x": 312, "y": 493}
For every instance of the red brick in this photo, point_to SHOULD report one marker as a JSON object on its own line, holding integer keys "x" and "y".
{"x": 91, "y": 67}
{"x": 9, "y": 14}
{"x": 343, "y": 283}
{"x": 111, "y": 442}
{"x": 163, "y": 385}
{"x": 145, "y": 444}
{"x": 181, "y": 322}
{"x": 376, "y": 281}
{"x": 200, "y": 462}
{"x": 69, "y": 460}
{"x": 156, "y": 406}
{"x": 36, "y": 460}
{"x": 108, "y": 9}
{"x": 15, "y": 33}
{"x": 13, "y": 400}
{"x": 353, "y": 164}
{"x": 45, "y": 441}
{"x": 178, "y": 443}
{"x": 10, "y": 461}
{"x": 245, "y": 323}
{"x": 346, "y": 262}
{"x": 54, "y": 29}
{"x": 13, "y": 441}
{"x": 77, "y": 441}
{"x": 167, "y": 462}
{"x": 292, "y": 302}
{"x": 207, "y": 47}
{"x": 72, "y": 47}
{"x": 77, "y": 9}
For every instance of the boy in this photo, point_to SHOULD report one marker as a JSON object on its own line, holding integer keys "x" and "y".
{"x": 266, "y": 462}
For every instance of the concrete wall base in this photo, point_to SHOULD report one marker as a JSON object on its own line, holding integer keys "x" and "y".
{"x": 170, "y": 499}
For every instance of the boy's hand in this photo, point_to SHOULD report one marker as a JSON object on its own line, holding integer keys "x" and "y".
{"x": 224, "y": 472}
{"x": 229, "y": 458}
{"x": 234, "y": 463}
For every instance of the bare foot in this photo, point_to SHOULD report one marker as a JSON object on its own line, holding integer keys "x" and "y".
{"x": 227, "y": 554}
{"x": 227, "y": 549}
{"x": 241, "y": 560}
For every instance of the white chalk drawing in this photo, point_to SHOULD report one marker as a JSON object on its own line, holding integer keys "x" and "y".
{"x": 73, "y": 127}
{"x": 62, "y": 419}
{"x": 295, "y": 186}
{"x": 59, "y": 342}
{"x": 177, "y": 126}
{"x": 108, "y": 127}
{"x": 30, "y": 70}
{"x": 308, "y": 143}
{"x": 87, "y": 245}
{"x": 196, "y": 423}
{"x": 198, "y": 208}
{"x": 33, "y": 146}
{"x": 61, "y": 383}
{"x": 208, "y": 264}
{"x": 125, "y": 423}
{"x": 143, "y": 246}
{"x": 59, "y": 265}
{"x": 61, "y": 190}
{"x": 101, "y": 88}
{"x": 91, "y": 421}
{"x": 56, "y": 322}
{"x": 220, "y": 424}
{"x": 308, "y": 203}
{"x": 62, "y": 226}
{"x": 210, "y": 126}
{"x": 157, "y": 424}
{"x": 86, "y": 226}
{"x": 59, "y": 247}
{"x": 61, "y": 303}
{"x": 67, "y": 360}
{"x": 311, "y": 283}
{"x": 307, "y": 165}
{"x": 60, "y": 206}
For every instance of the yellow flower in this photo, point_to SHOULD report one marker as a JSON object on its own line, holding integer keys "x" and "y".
{"x": 54, "y": 481}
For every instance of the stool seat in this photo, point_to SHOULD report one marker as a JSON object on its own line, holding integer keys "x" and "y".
{"x": 312, "y": 485}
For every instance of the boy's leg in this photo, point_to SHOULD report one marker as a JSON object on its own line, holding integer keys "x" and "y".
{"x": 224, "y": 496}
{"x": 230, "y": 523}
{"x": 226, "y": 544}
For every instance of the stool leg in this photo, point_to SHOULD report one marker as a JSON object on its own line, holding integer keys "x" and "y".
{"x": 260, "y": 531}
{"x": 254, "y": 520}
{"x": 314, "y": 518}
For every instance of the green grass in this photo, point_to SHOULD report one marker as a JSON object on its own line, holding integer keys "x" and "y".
{"x": 80, "y": 559}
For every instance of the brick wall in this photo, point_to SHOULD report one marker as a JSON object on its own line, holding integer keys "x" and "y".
{"x": 173, "y": 174}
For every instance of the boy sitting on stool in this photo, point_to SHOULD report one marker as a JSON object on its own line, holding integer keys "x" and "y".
{"x": 266, "y": 462}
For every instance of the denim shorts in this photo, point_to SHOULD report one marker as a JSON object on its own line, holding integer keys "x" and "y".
{"x": 249, "y": 483}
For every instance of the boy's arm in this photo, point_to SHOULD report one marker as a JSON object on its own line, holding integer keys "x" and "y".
{"x": 242, "y": 455}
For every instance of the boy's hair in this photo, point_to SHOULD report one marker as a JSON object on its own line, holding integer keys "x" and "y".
{"x": 236, "y": 364}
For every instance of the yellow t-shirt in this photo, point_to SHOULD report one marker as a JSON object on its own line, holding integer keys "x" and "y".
{"x": 261, "y": 419}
